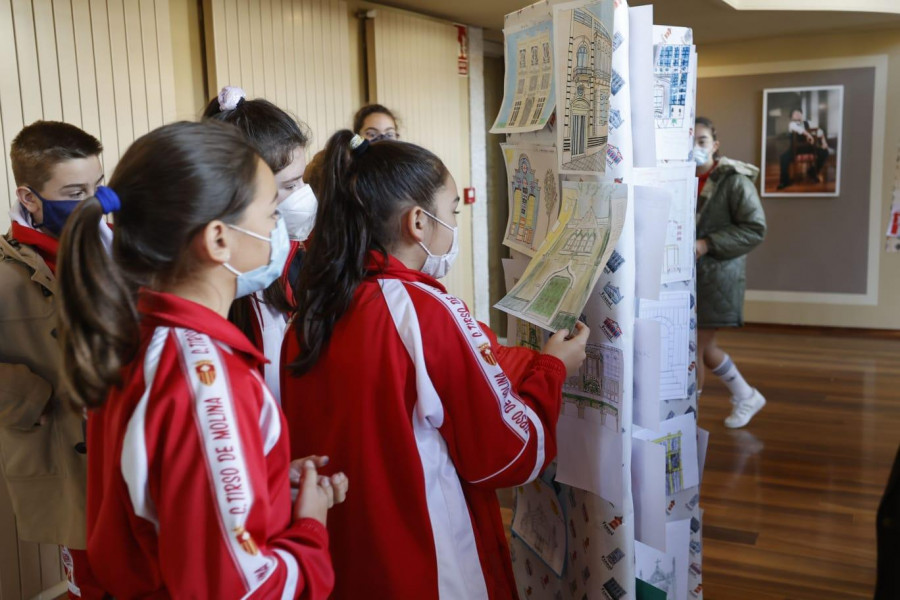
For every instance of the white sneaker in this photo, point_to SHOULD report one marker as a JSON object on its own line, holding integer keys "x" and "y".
{"x": 744, "y": 410}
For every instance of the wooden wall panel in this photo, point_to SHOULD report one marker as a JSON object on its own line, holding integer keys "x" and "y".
{"x": 105, "y": 66}
{"x": 294, "y": 53}
{"x": 416, "y": 76}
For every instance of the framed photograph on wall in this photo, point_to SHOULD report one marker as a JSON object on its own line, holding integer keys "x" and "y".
{"x": 801, "y": 141}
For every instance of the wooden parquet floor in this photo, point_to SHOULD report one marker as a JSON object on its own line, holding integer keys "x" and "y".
{"x": 790, "y": 501}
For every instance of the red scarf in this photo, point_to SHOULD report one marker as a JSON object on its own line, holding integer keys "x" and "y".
{"x": 702, "y": 178}
{"x": 46, "y": 246}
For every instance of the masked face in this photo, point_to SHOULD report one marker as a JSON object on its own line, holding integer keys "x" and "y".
{"x": 72, "y": 181}
{"x": 263, "y": 276}
{"x": 438, "y": 265}
{"x": 299, "y": 213}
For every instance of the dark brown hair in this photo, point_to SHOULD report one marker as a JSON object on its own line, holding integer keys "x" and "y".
{"x": 276, "y": 135}
{"x": 43, "y": 144}
{"x": 171, "y": 182}
{"x": 361, "y": 197}
{"x": 371, "y": 109}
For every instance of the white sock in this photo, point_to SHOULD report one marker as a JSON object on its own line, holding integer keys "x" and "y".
{"x": 731, "y": 377}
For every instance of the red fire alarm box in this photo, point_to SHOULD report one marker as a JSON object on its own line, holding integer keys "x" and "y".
{"x": 469, "y": 195}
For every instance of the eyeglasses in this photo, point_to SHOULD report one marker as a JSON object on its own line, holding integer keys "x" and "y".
{"x": 377, "y": 137}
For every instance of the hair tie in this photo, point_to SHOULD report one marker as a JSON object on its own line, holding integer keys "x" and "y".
{"x": 109, "y": 199}
{"x": 358, "y": 145}
{"x": 231, "y": 97}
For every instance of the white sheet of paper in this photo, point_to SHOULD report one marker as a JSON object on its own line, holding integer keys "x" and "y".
{"x": 651, "y": 221}
{"x": 648, "y": 485}
{"x": 640, "y": 51}
{"x": 538, "y": 521}
{"x": 679, "y": 436}
{"x": 647, "y": 363}
{"x": 702, "y": 444}
{"x": 673, "y": 313}
{"x": 666, "y": 570}
{"x": 590, "y": 454}
{"x": 681, "y": 182}
{"x": 678, "y": 541}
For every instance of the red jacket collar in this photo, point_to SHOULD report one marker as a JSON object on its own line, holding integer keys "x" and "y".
{"x": 159, "y": 309}
{"x": 392, "y": 268}
{"x": 46, "y": 246}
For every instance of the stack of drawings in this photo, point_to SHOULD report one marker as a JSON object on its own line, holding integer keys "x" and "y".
{"x": 599, "y": 111}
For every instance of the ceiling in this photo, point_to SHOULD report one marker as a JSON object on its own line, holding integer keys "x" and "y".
{"x": 712, "y": 20}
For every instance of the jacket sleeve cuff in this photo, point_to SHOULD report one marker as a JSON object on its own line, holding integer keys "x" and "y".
{"x": 551, "y": 365}
{"x": 310, "y": 530}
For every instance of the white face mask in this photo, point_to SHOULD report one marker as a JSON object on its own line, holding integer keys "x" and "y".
{"x": 438, "y": 266}
{"x": 701, "y": 155}
{"x": 262, "y": 276}
{"x": 299, "y": 212}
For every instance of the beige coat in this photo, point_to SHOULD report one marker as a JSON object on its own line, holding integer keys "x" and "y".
{"x": 45, "y": 473}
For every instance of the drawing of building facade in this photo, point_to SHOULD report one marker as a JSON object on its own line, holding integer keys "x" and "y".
{"x": 526, "y": 202}
{"x": 528, "y": 335}
{"x": 534, "y": 79}
{"x": 598, "y": 384}
{"x": 671, "y": 65}
{"x": 674, "y": 472}
{"x": 572, "y": 259}
{"x": 664, "y": 580}
{"x": 586, "y": 116}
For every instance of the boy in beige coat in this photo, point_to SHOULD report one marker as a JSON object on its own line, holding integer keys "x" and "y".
{"x": 42, "y": 449}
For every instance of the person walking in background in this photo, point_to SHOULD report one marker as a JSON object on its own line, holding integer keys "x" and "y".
{"x": 730, "y": 223}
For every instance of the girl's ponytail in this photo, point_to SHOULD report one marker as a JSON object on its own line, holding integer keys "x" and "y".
{"x": 362, "y": 191}
{"x": 335, "y": 263}
{"x": 98, "y": 319}
{"x": 171, "y": 183}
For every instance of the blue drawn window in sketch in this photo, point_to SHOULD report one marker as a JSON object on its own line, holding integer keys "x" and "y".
{"x": 522, "y": 58}
{"x": 534, "y": 55}
{"x": 546, "y": 47}
{"x": 582, "y": 56}
{"x": 670, "y": 87}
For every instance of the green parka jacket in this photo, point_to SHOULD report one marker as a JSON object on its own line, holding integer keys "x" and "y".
{"x": 730, "y": 218}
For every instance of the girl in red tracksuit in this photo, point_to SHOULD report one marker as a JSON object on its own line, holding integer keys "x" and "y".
{"x": 189, "y": 492}
{"x": 281, "y": 142}
{"x": 395, "y": 380}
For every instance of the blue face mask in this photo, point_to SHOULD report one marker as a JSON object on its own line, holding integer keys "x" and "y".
{"x": 262, "y": 277}
{"x": 56, "y": 213}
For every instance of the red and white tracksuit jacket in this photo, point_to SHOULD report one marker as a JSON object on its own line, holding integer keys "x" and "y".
{"x": 269, "y": 323}
{"x": 410, "y": 400}
{"x": 188, "y": 490}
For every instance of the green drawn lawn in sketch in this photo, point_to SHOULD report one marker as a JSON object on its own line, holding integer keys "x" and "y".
{"x": 555, "y": 286}
{"x": 551, "y": 295}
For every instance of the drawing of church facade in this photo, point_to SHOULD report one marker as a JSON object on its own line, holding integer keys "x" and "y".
{"x": 526, "y": 202}
{"x": 572, "y": 259}
{"x": 589, "y": 69}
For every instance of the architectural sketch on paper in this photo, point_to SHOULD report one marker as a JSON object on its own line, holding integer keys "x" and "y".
{"x": 674, "y": 470}
{"x": 585, "y": 44}
{"x": 663, "y": 580}
{"x": 673, "y": 312}
{"x": 598, "y": 385}
{"x": 532, "y": 196}
{"x": 529, "y": 93}
{"x": 539, "y": 522}
{"x": 671, "y": 73}
{"x": 555, "y": 287}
